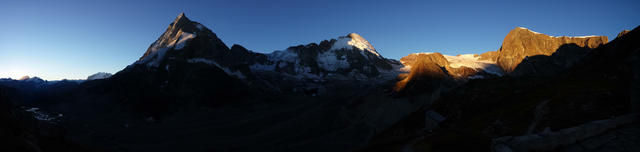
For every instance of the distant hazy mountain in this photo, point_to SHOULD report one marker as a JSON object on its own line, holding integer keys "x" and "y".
{"x": 99, "y": 75}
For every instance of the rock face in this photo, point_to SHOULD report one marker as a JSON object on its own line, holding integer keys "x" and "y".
{"x": 622, "y": 33}
{"x": 549, "y": 141}
{"x": 489, "y": 56}
{"x": 426, "y": 71}
{"x": 522, "y": 43}
{"x": 415, "y": 59}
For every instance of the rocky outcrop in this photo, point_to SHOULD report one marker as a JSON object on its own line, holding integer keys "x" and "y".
{"x": 622, "y": 33}
{"x": 522, "y": 43}
{"x": 489, "y": 56}
{"x": 548, "y": 140}
{"x": 427, "y": 70}
{"x": 417, "y": 58}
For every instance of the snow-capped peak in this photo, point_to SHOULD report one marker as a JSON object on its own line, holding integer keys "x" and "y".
{"x": 24, "y": 77}
{"x": 34, "y": 79}
{"x": 354, "y": 40}
{"x": 175, "y": 38}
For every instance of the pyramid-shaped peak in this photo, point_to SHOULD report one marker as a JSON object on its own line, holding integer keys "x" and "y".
{"x": 179, "y": 32}
{"x": 355, "y": 40}
{"x": 181, "y": 19}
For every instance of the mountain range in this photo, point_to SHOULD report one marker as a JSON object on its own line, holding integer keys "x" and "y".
{"x": 191, "y": 92}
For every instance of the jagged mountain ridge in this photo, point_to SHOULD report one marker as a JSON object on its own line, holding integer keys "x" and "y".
{"x": 523, "y": 53}
{"x": 522, "y": 43}
{"x": 347, "y": 57}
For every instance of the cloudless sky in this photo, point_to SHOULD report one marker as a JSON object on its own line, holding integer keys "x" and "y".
{"x": 73, "y": 39}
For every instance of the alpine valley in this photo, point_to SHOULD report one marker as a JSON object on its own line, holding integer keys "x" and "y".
{"x": 191, "y": 92}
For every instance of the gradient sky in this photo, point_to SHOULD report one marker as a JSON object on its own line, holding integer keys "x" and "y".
{"x": 73, "y": 39}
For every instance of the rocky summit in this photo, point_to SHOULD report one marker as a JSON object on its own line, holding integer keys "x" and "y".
{"x": 426, "y": 71}
{"x": 522, "y": 43}
{"x": 622, "y": 33}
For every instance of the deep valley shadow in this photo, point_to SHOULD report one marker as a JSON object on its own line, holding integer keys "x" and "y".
{"x": 562, "y": 59}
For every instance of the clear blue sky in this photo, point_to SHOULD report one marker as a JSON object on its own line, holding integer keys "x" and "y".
{"x": 73, "y": 39}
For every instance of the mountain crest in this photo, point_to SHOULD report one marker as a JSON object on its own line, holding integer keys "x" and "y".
{"x": 180, "y": 32}
{"x": 354, "y": 40}
{"x": 183, "y": 23}
{"x": 521, "y": 43}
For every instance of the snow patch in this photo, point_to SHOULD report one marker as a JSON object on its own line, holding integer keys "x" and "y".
{"x": 183, "y": 39}
{"x": 262, "y": 67}
{"x": 33, "y": 109}
{"x": 529, "y": 30}
{"x": 211, "y": 62}
{"x": 587, "y": 36}
{"x": 472, "y": 61}
{"x": 199, "y": 26}
{"x": 44, "y": 116}
{"x": 158, "y": 51}
{"x": 286, "y": 55}
{"x": 155, "y": 57}
{"x": 329, "y": 61}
